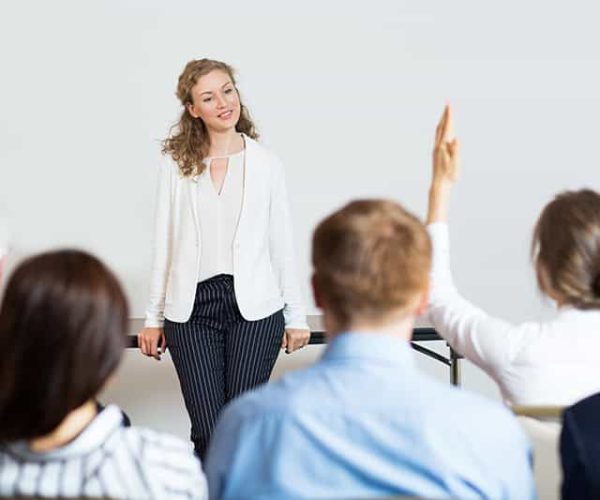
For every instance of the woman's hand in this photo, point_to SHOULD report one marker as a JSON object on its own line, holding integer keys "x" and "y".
{"x": 294, "y": 338}
{"x": 446, "y": 166}
{"x": 150, "y": 340}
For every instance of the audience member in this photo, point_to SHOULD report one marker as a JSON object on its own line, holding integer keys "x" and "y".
{"x": 363, "y": 422}
{"x": 580, "y": 450}
{"x": 62, "y": 326}
{"x": 539, "y": 362}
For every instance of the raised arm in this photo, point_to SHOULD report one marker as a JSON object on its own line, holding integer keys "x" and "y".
{"x": 488, "y": 342}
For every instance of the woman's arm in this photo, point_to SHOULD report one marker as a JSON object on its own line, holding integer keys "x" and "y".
{"x": 486, "y": 341}
{"x": 152, "y": 333}
{"x": 283, "y": 262}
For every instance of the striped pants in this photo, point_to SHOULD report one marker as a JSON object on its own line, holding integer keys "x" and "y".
{"x": 218, "y": 354}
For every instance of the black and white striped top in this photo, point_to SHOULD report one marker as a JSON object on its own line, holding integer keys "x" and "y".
{"x": 105, "y": 460}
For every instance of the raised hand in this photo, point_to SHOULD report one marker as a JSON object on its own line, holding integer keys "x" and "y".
{"x": 446, "y": 166}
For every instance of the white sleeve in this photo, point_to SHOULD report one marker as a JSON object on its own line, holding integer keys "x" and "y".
{"x": 281, "y": 247}
{"x": 162, "y": 247}
{"x": 488, "y": 342}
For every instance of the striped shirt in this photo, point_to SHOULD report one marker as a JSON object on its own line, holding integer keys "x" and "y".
{"x": 105, "y": 460}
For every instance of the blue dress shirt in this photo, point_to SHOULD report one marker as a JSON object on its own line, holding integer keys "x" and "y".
{"x": 364, "y": 422}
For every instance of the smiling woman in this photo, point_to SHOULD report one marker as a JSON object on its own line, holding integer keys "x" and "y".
{"x": 224, "y": 296}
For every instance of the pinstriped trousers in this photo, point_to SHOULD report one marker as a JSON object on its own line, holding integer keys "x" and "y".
{"x": 218, "y": 354}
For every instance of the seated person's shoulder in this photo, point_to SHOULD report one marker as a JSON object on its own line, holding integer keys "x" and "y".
{"x": 158, "y": 453}
{"x": 585, "y": 412}
{"x": 591, "y": 403}
{"x": 458, "y": 409}
{"x": 151, "y": 438}
{"x": 480, "y": 414}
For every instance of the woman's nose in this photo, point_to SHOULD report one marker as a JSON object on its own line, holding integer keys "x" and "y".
{"x": 221, "y": 101}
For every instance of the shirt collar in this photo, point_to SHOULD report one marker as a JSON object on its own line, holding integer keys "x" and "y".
{"x": 89, "y": 439}
{"x": 369, "y": 346}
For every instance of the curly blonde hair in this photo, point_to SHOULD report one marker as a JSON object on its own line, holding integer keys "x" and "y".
{"x": 188, "y": 142}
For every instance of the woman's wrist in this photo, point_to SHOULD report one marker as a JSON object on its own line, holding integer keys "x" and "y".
{"x": 439, "y": 197}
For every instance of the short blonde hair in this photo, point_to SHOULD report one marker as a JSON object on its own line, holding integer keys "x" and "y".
{"x": 371, "y": 259}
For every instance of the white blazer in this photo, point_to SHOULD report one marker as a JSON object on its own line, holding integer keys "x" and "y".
{"x": 263, "y": 255}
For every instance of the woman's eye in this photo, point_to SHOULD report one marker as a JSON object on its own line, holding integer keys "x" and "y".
{"x": 207, "y": 99}
{"x": 228, "y": 91}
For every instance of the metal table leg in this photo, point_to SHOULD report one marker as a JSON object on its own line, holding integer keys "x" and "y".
{"x": 454, "y": 367}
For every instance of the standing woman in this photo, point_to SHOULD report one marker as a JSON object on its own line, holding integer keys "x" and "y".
{"x": 224, "y": 295}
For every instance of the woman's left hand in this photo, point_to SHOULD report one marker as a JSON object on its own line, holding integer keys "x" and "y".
{"x": 294, "y": 338}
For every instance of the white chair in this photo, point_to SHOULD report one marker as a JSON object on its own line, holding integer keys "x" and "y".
{"x": 543, "y": 424}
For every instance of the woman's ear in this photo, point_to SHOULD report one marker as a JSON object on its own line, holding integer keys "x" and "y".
{"x": 190, "y": 107}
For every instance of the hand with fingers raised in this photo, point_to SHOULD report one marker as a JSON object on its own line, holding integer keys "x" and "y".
{"x": 152, "y": 342}
{"x": 446, "y": 166}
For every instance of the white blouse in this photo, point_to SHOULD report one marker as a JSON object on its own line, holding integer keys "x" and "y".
{"x": 219, "y": 214}
{"x": 555, "y": 362}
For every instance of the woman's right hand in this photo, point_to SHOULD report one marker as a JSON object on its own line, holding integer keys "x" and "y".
{"x": 446, "y": 166}
{"x": 149, "y": 341}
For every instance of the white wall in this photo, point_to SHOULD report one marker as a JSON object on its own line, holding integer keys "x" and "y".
{"x": 347, "y": 93}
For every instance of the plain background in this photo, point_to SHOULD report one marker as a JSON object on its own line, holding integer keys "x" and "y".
{"x": 346, "y": 93}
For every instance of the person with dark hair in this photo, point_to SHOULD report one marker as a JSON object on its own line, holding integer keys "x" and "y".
{"x": 62, "y": 323}
{"x": 224, "y": 295}
{"x": 580, "y": 450}
{"x": 363, "y": 422}
{"x": 551, "y": 362}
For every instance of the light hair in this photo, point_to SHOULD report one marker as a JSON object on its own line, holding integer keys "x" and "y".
{"x": 189, "y": 142}
{"x": 566, "y": 249}
{"x": 371, "y": 260}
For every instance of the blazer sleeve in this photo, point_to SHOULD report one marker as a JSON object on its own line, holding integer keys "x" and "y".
{"x": 575, "y": 483}
{"x": 490, "y": 343}
{"x": 161, "y": 261}
{"x": 281, "y": 247}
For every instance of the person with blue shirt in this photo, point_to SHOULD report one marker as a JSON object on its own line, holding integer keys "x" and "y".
{"x": 363, "y": 422}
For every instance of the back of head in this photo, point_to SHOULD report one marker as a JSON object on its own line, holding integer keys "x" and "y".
{"x": 62, "y": 325}
{"x": 371, "y": 262}
{"x": 566, "y": 248}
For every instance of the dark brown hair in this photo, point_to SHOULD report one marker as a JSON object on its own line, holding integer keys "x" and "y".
{"x": 189, "y": 142}
{"x": 566, "y": 249}
{"x": 62, "y": 328}
{"x": 371, "y": 258}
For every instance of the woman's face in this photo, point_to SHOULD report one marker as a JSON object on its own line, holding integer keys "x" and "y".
{"x": 215, "y": 101}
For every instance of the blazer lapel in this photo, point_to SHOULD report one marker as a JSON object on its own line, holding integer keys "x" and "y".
{"x": 192, "y": 192}
{"x": 253, "y": 177}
